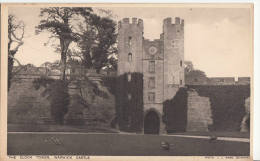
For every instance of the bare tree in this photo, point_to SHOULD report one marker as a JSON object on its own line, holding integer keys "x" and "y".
{"x": 15, "y": 41}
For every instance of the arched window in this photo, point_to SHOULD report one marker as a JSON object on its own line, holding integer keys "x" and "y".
{"x": 130, "y": 57}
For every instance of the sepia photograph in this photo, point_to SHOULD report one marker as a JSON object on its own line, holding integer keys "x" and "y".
{"x": 128, "y": 79}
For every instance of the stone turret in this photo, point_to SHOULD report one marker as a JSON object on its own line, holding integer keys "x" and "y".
{"x": 130, "y": 44}
{"x": 173, "y": 39}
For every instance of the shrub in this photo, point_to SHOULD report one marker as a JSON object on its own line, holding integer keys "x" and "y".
{"x": 175, "y": 112}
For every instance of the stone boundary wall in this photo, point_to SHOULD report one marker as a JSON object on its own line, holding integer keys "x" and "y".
{"x": 217, "y": 81}
{"x": 204, "y": 115}
{"x": 199, "y": 115}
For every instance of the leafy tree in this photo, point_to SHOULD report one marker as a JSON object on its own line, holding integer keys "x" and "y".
{"x": 98, "y": 42}
{"x": 196, "y": 73}
{"x": 192, "y": 74}
{"x": 188, "y": 66}
{"x": 15, "y": 41}
{"x": 59, "y": 22}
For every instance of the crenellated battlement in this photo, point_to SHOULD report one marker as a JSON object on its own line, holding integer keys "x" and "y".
{"x": 130, "y": 21}
{"x": 178, "y": 21}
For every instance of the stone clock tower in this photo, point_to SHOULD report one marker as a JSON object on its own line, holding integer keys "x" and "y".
{"x": 161, "y": 62}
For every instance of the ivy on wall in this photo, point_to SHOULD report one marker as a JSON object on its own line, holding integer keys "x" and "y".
{"x": 129, "y": 102}
{"x": 175, "y": 112}
{"x": 57, "y": 92}
{"x": 227, "y": 104}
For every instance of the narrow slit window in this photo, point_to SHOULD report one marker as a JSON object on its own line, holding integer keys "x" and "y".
{"x": 129, "y": 77}
{"x": 130, "y": 57}
{"x": 129, "y": 96}
{"x": 129, "y": 40}
{"x": 181, "y": 63}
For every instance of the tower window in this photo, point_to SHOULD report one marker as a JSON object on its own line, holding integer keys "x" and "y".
{"x": 151, "y": 66}
{"x": 129, "y": 77}
{"x": 129, "y": 40}
{"x": 151, "y": 83}
{"x": 181, "y": 63}
{"x": 180, "y": 82}
{"x": 129, "y": 96}
{"x": 130, "y": 57}
{"x": 151, "y": 96}
{"x": 173, "y": 43}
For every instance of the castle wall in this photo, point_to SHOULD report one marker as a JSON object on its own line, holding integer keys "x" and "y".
{"x": 26, "y": 104}
{"x": 217, "y": 80}
{"x": 243, "y": 80}
{"x": 222, "y": 81}
{"x": 199, "y": 114}
{"x": 222, "y": 107}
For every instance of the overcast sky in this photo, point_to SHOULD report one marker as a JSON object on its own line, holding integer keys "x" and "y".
{"x": 217, "y": 40}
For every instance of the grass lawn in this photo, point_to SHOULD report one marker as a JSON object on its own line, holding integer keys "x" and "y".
{"x": 119, "y": 145}
{"x": 57, "y": 128}
{"x": 218, "y": 134}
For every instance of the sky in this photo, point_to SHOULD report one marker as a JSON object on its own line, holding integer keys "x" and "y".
{"x": 218, "y": 41}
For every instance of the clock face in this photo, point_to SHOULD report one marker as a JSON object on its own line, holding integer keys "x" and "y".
{"x": 152, "y": 50}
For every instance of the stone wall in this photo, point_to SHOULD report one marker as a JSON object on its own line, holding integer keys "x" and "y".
{"x": 25, "y": 104}
{"x": 28, "y": 105}
{"x": 199, "y": 115}
{"x": 218, "y": 108}
{"x": 196, "y": 80}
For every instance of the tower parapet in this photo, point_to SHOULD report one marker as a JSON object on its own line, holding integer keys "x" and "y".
{"x": 134, "y": 21}
{"x": 168, "y": 21}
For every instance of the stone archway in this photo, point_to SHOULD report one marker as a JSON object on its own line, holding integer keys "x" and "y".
{"x": 151, "y": 123}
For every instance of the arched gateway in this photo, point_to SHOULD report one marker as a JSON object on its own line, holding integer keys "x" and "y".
{"x": 151, "y": 123}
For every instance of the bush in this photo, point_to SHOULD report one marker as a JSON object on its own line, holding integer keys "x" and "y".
{"x": 227, "y": 105}
{"x": 175, "y": 112}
